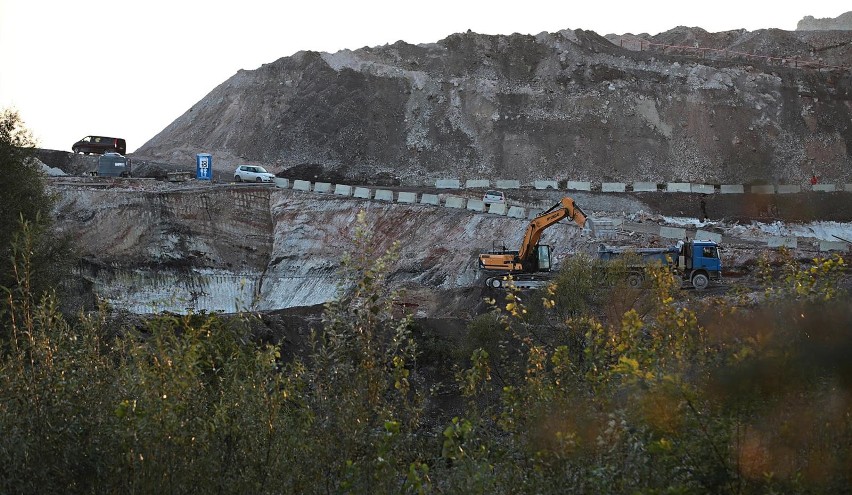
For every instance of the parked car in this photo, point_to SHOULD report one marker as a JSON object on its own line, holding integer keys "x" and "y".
{"x": 494, "y": 197}
{"x": 252, "y": 173}
{"x": 99, "y": 145}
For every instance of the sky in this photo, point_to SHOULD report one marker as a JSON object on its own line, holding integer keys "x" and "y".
{"x": 129, "y": 68}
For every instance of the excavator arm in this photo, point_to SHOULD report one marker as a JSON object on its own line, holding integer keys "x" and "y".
{"x": 522, "y": 261}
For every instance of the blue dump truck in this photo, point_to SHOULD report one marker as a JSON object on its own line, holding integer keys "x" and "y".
{"x": 694, "y": 261}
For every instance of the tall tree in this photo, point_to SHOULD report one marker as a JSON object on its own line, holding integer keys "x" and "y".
{"x": 26, "y": 201}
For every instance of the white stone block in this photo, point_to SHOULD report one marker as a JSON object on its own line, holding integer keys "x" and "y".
{"x": 732, "y": 189}
{"x": 778, "y": 241}
{"x": 576, "y": 185}
{"x": 825, "y": 246}
{"x": 702, "y": 188}
{"x": 282, "y": 183}
{"x": 789, "y": 188}
{"x": 824, "y": 188}
{"x": 703, "y": 235}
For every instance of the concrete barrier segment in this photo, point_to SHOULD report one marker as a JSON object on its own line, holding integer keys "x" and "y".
{"x": 824, "y": 188}
{"x": 545, "y": 184}
{"x": 497, "y": 208}
{"x": 516, "y": 212}
{"x": 732, "y": 189}
{"x": 454, "y": 202}
{"x": 575, "y": 185}
{"x": 825, "y": 246}
{"x": 362, "y": 193}
{"x": 322, "y": 187}
{"x": 302, "y": 185}
{"x": 447, "y": 184}
{"x": 342, "y": 190}
{"x": 778, "y": 241}
{"x": 789, "y": 188}
{"x": 508, "y": 184}
{"x": 703, "y": 235}
{"x": 702, "y": 188}
{"x": 618, "y": 187}
{"x": 383, "y": 195}
{"x": 678, "y": 187}
{"x": 644, "y": 187}
{"x": 430, "y": 199}
{"x": 763, "y": 189}
{"x": 282, "y": 183}
{"x": 406, "y": 197}
{"x": 476, "y": 205}
{"x": 477, "y": 184}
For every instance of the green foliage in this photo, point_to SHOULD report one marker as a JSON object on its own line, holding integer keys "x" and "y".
{"x": 25, "y": 225}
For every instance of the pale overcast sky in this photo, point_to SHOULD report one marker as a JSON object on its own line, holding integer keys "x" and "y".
{"x": 128, "y": 69}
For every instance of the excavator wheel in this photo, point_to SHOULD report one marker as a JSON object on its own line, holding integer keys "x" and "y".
{"x": 495, "y": 282}
{"x": 634, "y": 280}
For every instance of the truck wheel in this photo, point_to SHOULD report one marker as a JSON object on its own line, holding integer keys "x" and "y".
{"x": 634, "y": 280}
{"x": 700, "y": 281}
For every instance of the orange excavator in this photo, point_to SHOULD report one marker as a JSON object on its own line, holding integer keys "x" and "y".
{"x": 532, "y": 257}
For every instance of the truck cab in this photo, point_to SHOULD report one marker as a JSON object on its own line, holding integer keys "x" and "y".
{"x": 699, "y": 262}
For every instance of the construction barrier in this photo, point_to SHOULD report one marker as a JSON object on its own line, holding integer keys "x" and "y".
{"x": 679, "y": 187}
{"x": 672, "y": 232}
{"x": 644, "y": 187}
{"x": 579, "y": 185}
{"x": 342, "y": 190}
{"x": 477, "y": 184}
{"x": 546, "y": 184}
{"x": 789, "y": 189}
{"x": 476, "y": 205}
{"x": 362, "y": 193}
{"x": 282, "y": 183}
{"x": 617, "y": 187}
{"x": 497, "y": 208}
{"x": 731, "y": 189}
{"x": 454, "y": 202}
{"x": 406, "y": 197}
{"x": 779, "y": 242}
{"x": 302, "y": 185}
{"x": 430, "y": 199}
{"x": 704, "y": 235}
{"x": 383, "y": 195}
{"x": 516, "y": 212}
{"x": 824, "y": 188}
{"x": 825, "y": 246}
{"x": 322, "y": 187}
{"x": 533, "y": 212}
{"x": 702, "y": 188}
{"x": 767, "y": 189}
{"x": 508, "y": 184}
{"x": 447, "y": 184}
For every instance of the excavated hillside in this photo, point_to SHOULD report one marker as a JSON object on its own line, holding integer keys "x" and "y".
{"x": 730, "y": 107}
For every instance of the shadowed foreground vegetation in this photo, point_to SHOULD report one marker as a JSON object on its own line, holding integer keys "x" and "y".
{"x": 587, "y": 387}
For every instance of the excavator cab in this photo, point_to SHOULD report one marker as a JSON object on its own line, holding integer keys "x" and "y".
{"x": 543, "y": 252}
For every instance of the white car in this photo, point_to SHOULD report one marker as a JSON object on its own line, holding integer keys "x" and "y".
{"x": 252, "y": 173}
{"x": 494, "y": 197}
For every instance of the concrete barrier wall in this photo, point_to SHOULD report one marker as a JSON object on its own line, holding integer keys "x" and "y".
{"x": 704, "y": 235}
{"x": 768, "y": 189}
{"x": 731, "y": 189}
{"x": 362, "y": 193}
{"x": 447, "y": 184}
{"x": 824, "y": 188}
{"x": 497, "y": 208}
{"x": 678, "y": 187}
{"x": 533, "y": 212}
{"x": 430, "y": 199}
{"x": 475, "y": 205}
{"x": 302, "y": 185}
{"x": 644, "y": 187}
{"x": 825, "y": 246}
{"x": 702, "y": 188}
{"x": 282, "y": 183}
{"x": 322, "y": 187}
{"x": 508, "y": 184}
{"x": 383, "y": 195}
{"x": 406, "y": 197}
{"x": 516, "y": 212}
{"x": 777, "y": 242}
{"x": 454, "y": 202}
{"x": 672, "y": 232}
{"x": 618, "y": 187}
{"x": 847, "y": 187}
{"x": 477, "y": 184}
{"x": 576, "y": 185}
{"x": 342, "y": 190}
{"x": 789, "y": 188}
{"x": 546, "y": 184}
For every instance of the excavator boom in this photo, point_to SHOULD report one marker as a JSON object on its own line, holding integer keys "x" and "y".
{"x": 526, "y": 259}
